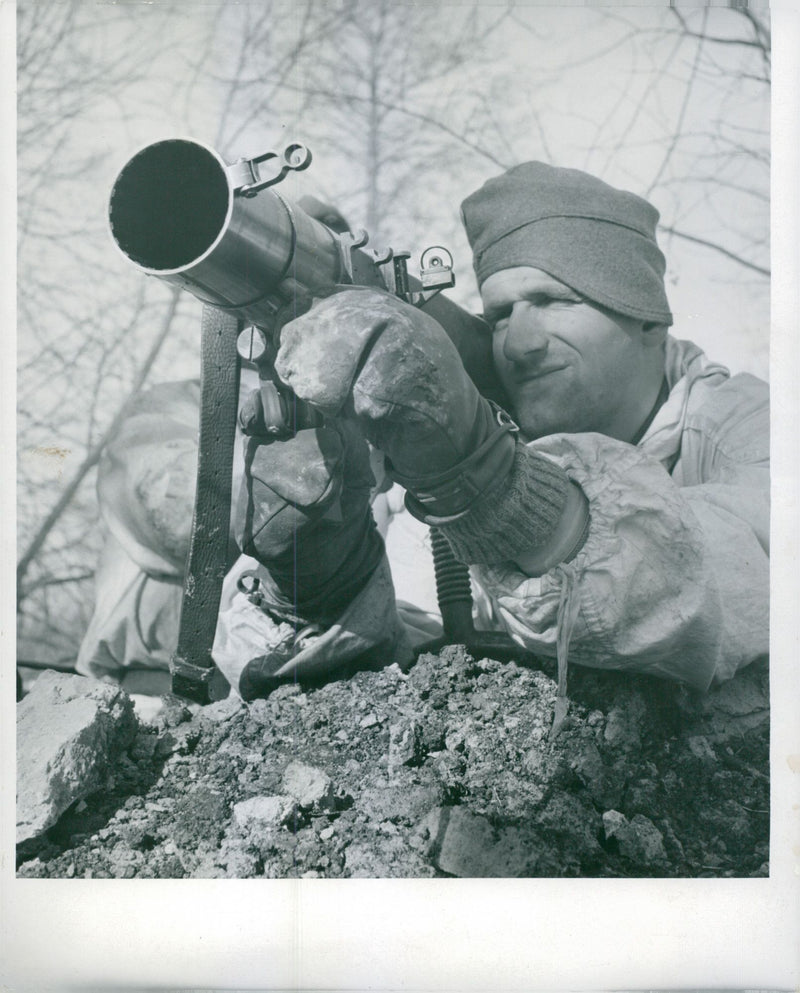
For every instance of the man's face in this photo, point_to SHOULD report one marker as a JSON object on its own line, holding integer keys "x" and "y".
{"x": 567, "y": 365}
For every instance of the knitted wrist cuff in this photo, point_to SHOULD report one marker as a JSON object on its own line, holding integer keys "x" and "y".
{"x": 519, "y": 515}
{"x": 450, "y": 494}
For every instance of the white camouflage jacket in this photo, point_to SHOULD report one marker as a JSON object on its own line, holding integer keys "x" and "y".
{"x": 673, "y": 579}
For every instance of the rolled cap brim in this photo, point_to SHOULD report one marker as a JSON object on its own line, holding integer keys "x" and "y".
{"x": 597, "y": 240}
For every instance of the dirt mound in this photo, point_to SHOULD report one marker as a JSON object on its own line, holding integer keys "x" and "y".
{"x": 447, "y": 770}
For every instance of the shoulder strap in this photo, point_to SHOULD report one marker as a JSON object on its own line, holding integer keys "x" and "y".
{"x": 192, "y": 666}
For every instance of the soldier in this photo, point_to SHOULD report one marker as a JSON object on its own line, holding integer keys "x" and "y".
{"x": 617, "y": 514}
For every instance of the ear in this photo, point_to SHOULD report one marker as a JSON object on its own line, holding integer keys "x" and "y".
{"x": 654, "y": 335}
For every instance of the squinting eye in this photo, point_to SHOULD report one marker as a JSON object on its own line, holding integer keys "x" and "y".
{"x": 547, "y": 301}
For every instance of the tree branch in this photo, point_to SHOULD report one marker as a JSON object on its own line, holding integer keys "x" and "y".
{"x": 717, "y": 248}
{"x": 93, "y": 456}
{"x": 676, "y": 134}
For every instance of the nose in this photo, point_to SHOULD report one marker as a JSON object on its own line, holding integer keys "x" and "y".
{"x": 525, "y": 336}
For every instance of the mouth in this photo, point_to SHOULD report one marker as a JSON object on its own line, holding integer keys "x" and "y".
{"x": 520, "y": 379}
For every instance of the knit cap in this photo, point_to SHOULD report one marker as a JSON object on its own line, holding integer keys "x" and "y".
{"x": 596, "y": 239}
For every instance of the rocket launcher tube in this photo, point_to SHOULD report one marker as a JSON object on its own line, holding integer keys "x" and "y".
{"x": 176, "y": 211}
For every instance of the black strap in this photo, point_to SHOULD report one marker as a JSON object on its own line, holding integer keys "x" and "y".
{"x": 192, "y": 666}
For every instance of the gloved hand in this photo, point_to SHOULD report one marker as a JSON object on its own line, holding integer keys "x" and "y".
{"x": 304, "y": 513}
{"x": 364, "y": 353}
{"x": 395, "y": 368}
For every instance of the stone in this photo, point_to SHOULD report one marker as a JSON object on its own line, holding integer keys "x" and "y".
{"x": 223, "y": 710}
{"x": 137, "y": 836}
{"x": 405, "y": 742}
{"x": 700, "y": 747}
{"x": 70, "y": 730}
{"x": 449, "y": 767}
{"x": 385, "y": 857}
{"x": 165, "y": 746}
{"x": 573, "y": 823}
{"x": 144, "y": 747}
{"x": 469, "y": 846}
{"x": 622, "y": 726}
{"x": 263, "y": 811}
{"x": 398, "y": 799}
{"x": 199, "y": 815}
{"x": 638, "y": 839}
{"x": 311, "y": 787}
{"x": 614, "y": 824}
{"x": 587, "y": 764}
{"x": 173, "y": 712}
{"x": 282, "y": 692}
{"x": 648, "y": 840}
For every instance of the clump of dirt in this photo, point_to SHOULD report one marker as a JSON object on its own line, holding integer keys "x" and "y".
{"x": 446, "y": 770}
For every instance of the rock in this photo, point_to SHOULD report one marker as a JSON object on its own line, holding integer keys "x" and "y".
{"x": 173, "y": 712}
{"x": 263, "y": 811}
{"x": 405, "y": 744}
{"x": 622, "y": 727}
{"x": 384, "y": 858}
{"x": 467, "y": 845}
{"x": 639, "y": 839}
{"x": 588, "y": 766}
{"x": 143, "y": 747}
{"x": 507, "y": 802}
{"x": 573, "y": 823}
{"x": 309, "y": 786}
{"x": 165, "y": 746}
{"x": 449, "y": 767}
{"x": 648, "y": 840}
{"x": 69, "y": 731}
{"x": 137, "y": 836}
{"x": 641, "y": 795}
{"x": 615, "y": 824}
{"x": 454, "y": 738}
{"x": 281, "y": 692}
{"x": 198, "y": 817}
{"x": 701, "y": 749}
{"x": 223, "y": 710}
{"x": 397, "y": 799}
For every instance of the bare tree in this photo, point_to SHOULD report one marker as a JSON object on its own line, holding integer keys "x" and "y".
{"x": 88, "y": 335}
{"x": 389, "y": 94}
{"x": 727, "y": 159}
